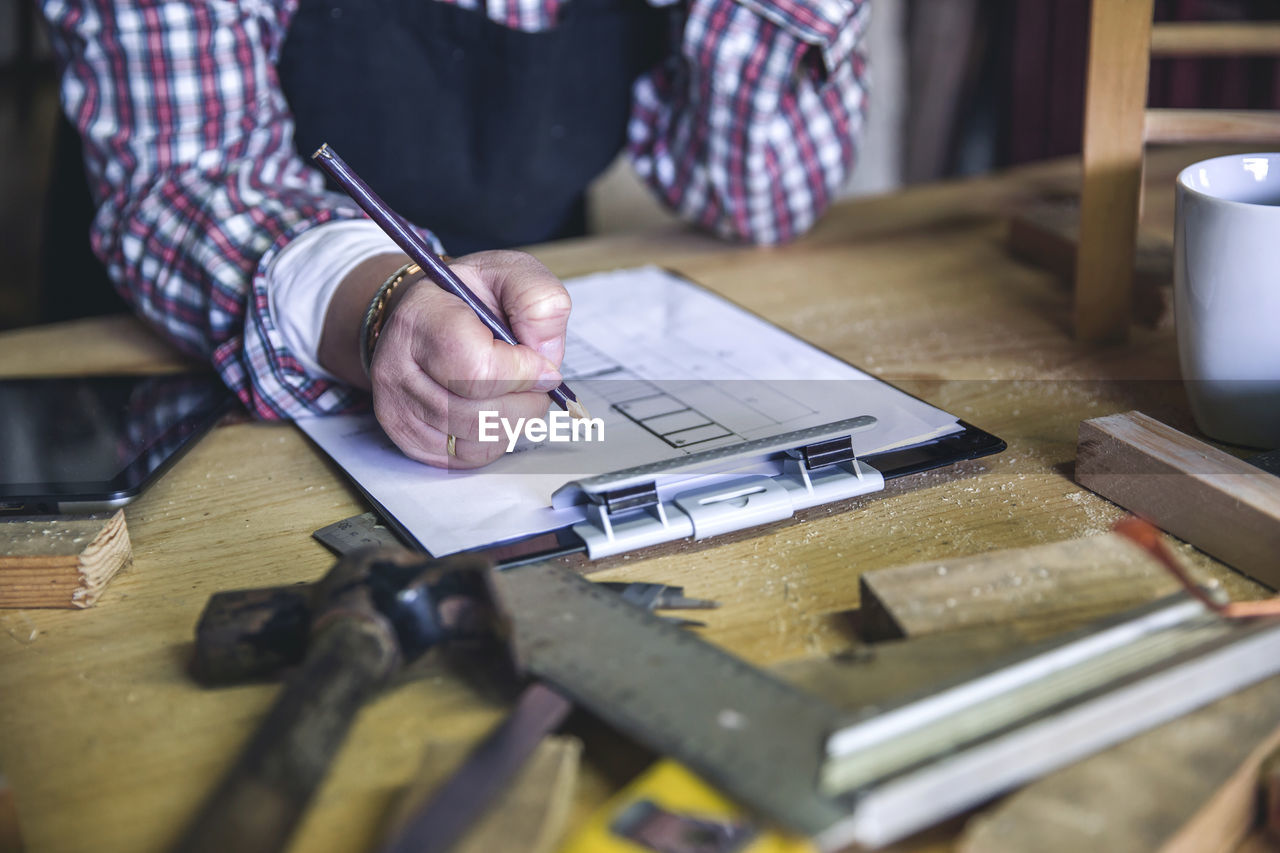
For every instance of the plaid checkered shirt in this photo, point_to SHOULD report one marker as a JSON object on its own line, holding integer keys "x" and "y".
{"x": 747, "y": 130}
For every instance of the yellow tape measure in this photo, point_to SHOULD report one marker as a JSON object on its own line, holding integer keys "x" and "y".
{"x": 669, "y": 809}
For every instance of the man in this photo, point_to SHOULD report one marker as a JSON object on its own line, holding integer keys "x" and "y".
{"x": 480, "y": 120}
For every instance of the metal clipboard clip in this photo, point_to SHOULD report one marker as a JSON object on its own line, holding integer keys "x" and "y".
{"x": 633, "y": 508}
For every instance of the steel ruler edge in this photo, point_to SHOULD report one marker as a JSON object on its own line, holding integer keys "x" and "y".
{"x": 359, "y": 531}
{"x": 749, "y": 734}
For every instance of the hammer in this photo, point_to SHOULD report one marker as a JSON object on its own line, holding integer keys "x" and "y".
{"x": 347, "y": 635}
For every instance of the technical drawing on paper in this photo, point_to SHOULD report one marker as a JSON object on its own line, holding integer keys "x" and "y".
{"x": 687, "y": 414}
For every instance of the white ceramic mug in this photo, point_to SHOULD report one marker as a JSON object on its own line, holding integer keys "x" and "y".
{"x": 1227, "y": 296}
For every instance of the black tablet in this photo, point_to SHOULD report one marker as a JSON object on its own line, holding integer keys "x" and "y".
{"x": 89, "y": 444}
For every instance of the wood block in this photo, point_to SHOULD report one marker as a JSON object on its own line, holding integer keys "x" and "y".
{"x": 1043, "y": 590}
{"x": 1047, "y": 235}
{"x": 1218, "y": 503}
{"x": 60, "y": 561}
{"x": 529, "y": 817}
{"x": 1189, "y": 786}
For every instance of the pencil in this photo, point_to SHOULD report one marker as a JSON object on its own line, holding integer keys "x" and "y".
{"x": 432, "y": 265}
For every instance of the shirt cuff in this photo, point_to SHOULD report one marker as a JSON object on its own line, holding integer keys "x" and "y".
{"x": 302, "y": 277}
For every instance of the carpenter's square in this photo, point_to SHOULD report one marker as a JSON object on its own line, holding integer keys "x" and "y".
{"x": 751, "y": 735}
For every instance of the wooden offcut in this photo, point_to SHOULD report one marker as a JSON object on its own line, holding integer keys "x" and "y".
{"x": 1218, "y": 503}
{"x": 61, "y": 561}
{"x": 1043, "y": 589}
{"x": 1186, "y": 787}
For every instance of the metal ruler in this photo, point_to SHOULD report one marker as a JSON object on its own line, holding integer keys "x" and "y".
{"x": 750, "y": 735}
{"x": 754, "y": 737}
{"x": 359, "y": 531}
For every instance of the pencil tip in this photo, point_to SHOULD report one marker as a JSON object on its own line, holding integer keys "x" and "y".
{"x": 577, "y": 411}
{"x": 322, "y": 151}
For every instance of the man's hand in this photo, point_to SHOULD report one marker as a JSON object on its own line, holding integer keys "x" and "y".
{"x": 436, "y": 366}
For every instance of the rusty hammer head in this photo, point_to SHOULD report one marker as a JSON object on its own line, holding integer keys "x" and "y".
{"x": 422, "y": 603}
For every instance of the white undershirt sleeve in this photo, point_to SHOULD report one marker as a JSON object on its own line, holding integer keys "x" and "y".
{"x": 306, "y": 272}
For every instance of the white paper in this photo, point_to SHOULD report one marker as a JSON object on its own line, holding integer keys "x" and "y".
{"x": 671, "y": 369}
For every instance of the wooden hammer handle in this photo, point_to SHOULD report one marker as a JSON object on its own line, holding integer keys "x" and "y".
{"x": 259, "y": 802}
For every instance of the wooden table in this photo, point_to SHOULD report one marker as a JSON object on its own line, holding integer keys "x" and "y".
{"x": 108, "y": 744}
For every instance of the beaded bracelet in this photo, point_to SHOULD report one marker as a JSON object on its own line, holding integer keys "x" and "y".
{"x": 375, "y": 315}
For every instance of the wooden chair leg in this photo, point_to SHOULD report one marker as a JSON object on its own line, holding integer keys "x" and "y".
{"x": 1119, "y": 46}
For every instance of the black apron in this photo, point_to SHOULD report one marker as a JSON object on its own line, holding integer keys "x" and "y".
{"x": 486, "y": 135}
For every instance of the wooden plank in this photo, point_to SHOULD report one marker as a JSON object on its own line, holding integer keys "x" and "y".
{"x": 1189, "y": 786}
{"x": 61, "y": 561}
{"x": 1116, "y": 94}
{"x": 1215, "y": 38}
{"x": 529, "y": 817}
{"x": 1181, "y": 126}
{"x": 1044, "y": 589}
{"x": 1218, "y": 503}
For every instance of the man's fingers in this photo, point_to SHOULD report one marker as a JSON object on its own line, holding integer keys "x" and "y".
{"x": 421, "y": 427}
{"x": 460, "y": 416}
{"x": 534, "y": 302}
{"x": 419, "y": 415}
{"x": 438, "y": 333}
{"x": 425, "y": 443}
